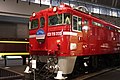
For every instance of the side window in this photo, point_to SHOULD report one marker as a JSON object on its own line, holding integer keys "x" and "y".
{"x": 85, "y": 25}
{"x": 97, "y": 24}
{"x": 86, "y": 22}
{"x": 42, "y": 22}
{"x": 77, "y": 23}
{"x": 34, "y": 24}
{"x": 74, "y": 23}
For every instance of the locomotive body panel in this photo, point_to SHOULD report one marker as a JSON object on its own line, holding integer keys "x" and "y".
{"x": 66, "y": 33}
{"x": 97, "y": 39}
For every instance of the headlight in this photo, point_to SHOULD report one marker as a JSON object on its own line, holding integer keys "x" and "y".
{"x": 54, "y": 9}
{"x": 73, "y": 46}
{"x": 33, "y": 14}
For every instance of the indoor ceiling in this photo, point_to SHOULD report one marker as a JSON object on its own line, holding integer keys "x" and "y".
{"x": 109, "y": 3}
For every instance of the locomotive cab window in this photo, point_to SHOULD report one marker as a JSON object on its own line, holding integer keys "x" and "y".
{"x": 55, "y": 19}
{"x": 77, "y": 23}
{"x": 59, "y": 19}
{"x": 42, "y": 22}
{"x": 33, "y": 24}
{"x": 67, "y": 19}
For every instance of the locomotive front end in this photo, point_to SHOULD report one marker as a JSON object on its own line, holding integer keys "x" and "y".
{"x": 67, "y": 40}
{"x": 37, "y": 34}
{"x": 49, "y": 32}
{"x": 49, "y": 36}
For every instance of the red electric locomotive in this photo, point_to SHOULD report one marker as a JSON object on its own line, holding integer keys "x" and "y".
{"x": 64, "y": 37}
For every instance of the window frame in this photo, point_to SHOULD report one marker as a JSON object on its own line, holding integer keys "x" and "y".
{"x": 56, "y": 17}
{"x": 95, "y": 23}
{"x": 40, "y": 22}
{"x": 30, "y": 24}
{"x": 77, "y": 23}
{"x": 62, "y": 18}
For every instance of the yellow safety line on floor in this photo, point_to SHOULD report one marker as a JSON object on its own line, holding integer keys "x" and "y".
{"x": 20, "y": 42}
{"x": 19, "y": 53}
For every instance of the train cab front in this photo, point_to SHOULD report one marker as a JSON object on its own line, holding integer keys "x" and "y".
{"x": 37, "y": 34}
{"x": 46, "y": 32}
{"x": 52, "y": 40}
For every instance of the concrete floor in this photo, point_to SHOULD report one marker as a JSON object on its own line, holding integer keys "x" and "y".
{"x": 19, "y": 69}
{"x": 110, "y": 75}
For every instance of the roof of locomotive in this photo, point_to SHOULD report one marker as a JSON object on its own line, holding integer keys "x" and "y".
{"x": 64, "y": 7}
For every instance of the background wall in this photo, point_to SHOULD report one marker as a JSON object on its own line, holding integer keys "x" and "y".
{"x": 14, "y": 18}
{"x": 21, "y": 9}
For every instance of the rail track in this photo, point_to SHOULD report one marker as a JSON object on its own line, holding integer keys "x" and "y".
{"x": 96, "y": 73}
{"x": 85, "y": 76}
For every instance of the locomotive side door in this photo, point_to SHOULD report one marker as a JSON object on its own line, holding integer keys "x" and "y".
{"x": 76, "y": 38}
{"x": 86, "y": 34}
